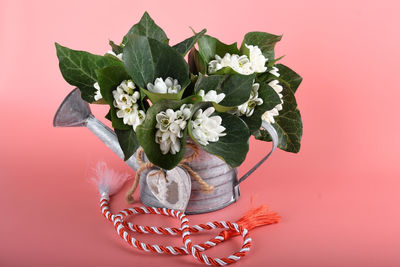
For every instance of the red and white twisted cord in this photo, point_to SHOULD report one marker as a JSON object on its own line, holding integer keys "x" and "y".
{"x": 122, "y": 227}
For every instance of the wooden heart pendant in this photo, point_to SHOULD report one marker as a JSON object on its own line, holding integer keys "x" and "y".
{"x": 172, "y": 190}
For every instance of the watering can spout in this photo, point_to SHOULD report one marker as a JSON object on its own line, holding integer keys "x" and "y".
{"x": 75, "y": 112}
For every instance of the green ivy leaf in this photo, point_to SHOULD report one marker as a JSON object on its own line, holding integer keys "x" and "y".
{"x": 210, "y": 46}
{"x": 186, "y": 45}
{"x": 225, "y": 70}
{"x": 290, "y": 130}
{"x": 147, "y": 27}
{"x": 196, "y": 62}
{"x": 146, "y": 133}
{"x": 289, "y": 76}
{"x": 271, "y": 63}
{"x": 79, "y": 69}
{"x": 146, "y": 59}
{"x": 156, "y": 97}
{"x": 265, "y": 41}
{"x": 287, "y": 124}
{"x": 232, "y": 147}
{"x": 208, "y": 83}
{"x": 236, "y": 87}
{"x": 128, "y": 141}
{"x": 109, "y": 78}
{"x": 270, "y": 100}
{"x": 117, "y": 49}
{"x": 189, "y": 90}
{"x": 108, "y": 115}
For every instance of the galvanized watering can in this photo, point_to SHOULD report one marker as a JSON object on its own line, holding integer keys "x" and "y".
{"x": 75, "y": 112}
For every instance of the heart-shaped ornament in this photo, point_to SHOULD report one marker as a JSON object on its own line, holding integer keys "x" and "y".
{"x": 173, "y": 189}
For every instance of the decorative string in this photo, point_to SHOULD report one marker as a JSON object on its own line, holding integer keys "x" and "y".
{"x": 109, "y": 183}
{"x": 251, "y": 219}
{"x": 205, "y": 187}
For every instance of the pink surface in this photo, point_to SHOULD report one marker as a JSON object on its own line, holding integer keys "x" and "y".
{"x": 338, "y": 197}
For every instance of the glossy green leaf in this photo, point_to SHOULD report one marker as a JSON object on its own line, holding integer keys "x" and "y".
{"x": 271, "y": 63}
{"x": 208, "y": 83}
{"x": 225, "y": 70}
{"x": 290, "y": 130}
{"x": 147, "y": 27}
{"x": 146, "y": 133}
{"x": 189, "y": 90}
{"x": 220, "y": 108}
{"x": 237, "y": 89}
{"x": 156, "y": 97}
{"x": 232, "y": 147}
{"x": 287, "y": 124}
{"x": 79, "y": 69}
{"x": 289, "y": 76}
{"x": 185, "y": 46}
{"x": 210, "y": 46}
{"x": 128, "y": 141}
{"x": 108, "y": 115}
{"x": 196, "y": 62}
{"x": 117, "y": 49}
{"x": 265, "y": 41}
{"x": 146, "y": 59}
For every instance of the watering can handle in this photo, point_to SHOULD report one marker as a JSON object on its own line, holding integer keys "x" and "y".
{"x": 274, "y": 136}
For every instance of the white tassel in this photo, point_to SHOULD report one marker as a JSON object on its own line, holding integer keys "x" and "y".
{"x": 107, "y": 180}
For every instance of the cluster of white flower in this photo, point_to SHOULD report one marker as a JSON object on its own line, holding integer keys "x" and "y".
{"x": 170, "y": 126}
{"x": 269, "y": 115}
{"x": 125, "y": 101}
{"x": 211, "y": 96}
{"x": 169, "y": 86}
{"x": 119, "y": 56}
{"x": 207, "y": 129}
{"x": 241, "y": 64}
{"x": 248, "y": 107}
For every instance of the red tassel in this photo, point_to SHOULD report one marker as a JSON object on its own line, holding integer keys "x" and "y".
{"x": 253, "y": 218}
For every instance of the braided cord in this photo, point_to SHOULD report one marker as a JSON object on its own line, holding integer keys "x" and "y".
{"x": 196, "y": 250}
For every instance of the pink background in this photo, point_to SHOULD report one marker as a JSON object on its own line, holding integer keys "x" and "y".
{"x": 338, "y": 197}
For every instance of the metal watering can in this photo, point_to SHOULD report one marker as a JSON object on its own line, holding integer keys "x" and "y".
{"x": 75, "y": 112}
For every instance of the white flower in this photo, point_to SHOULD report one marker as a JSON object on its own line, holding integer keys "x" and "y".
{"x": 170, "y": 126}
{"x": 132, "y": 115}
{"x": 276, "y": 86}
{"x": 98, "y": 95}
{"x": 274, "y": 71}
{"x": 185, "y": 111}
{"x": 168, "y": 142}
{"x": 125, "y": 95}
{"x": 125, "y": 102}
{"x": 119, "y": 56}
{"x": 211, "y": 96}
{"x": 170, "y": 86}
{"x": 241, "y": 64}
{"x": 164, "y": 119}
{"x": 207, "y": 129}
{"x": 269, "y": 115}
{"x": 215, "y": 64}
{"x": 257, "y": 59}
{"x": 248, "y": 107}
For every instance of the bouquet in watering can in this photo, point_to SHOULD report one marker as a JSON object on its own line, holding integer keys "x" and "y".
{"x": 218, "y": 97}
